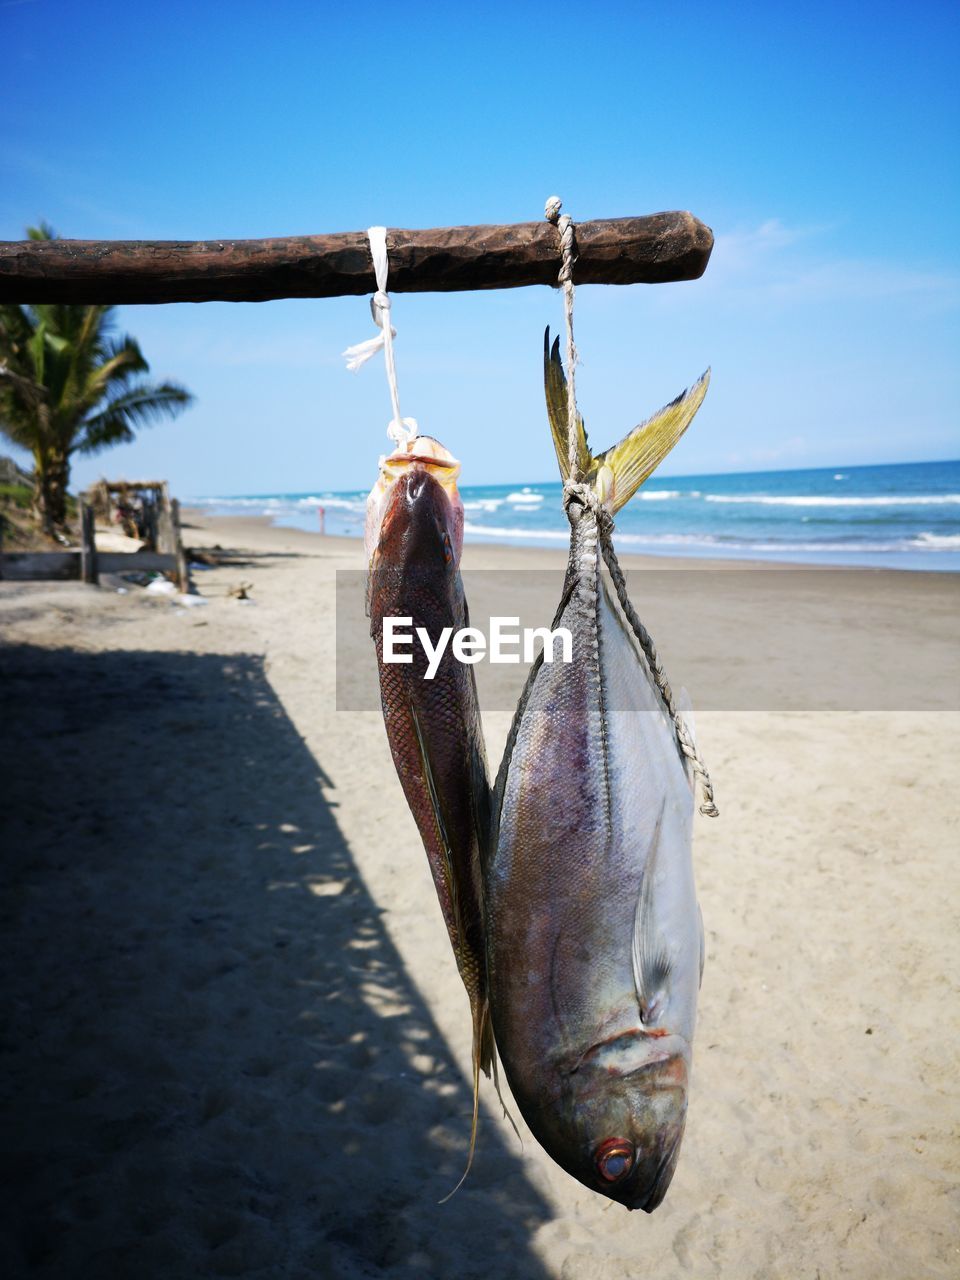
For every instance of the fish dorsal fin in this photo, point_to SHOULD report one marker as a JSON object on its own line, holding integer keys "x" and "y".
{"x": 555, "y": 386}
{"x": 651, "y": 955}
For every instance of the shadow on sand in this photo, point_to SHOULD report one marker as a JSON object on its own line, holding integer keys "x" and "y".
{"x": 214, "y": 1063}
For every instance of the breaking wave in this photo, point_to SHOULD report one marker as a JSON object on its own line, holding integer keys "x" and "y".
{"x": 811, "y": 500}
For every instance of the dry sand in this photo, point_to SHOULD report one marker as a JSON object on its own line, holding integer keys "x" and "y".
{"x": 235, "y": 1043}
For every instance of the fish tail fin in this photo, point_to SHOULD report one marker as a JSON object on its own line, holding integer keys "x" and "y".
{"x": 618, "y": 472}
{"x": 555, "y": 387}
{"x": 622, "y": 469}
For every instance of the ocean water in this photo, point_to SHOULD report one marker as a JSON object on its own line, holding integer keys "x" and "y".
{"x": 904, "y": 516}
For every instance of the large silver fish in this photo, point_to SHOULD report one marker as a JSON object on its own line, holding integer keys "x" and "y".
{"x": 594, "y": 937}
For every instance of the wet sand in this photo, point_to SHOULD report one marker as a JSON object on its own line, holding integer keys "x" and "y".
{"x": 236, "y": 1043}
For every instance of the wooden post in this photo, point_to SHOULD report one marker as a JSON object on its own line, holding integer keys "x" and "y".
{"x": 149, "y": 520}
{"x": 88, "y": 545}
{"x": 166, "y": 534}
{"x": 646, "y": 250}
{"x": 183, "y": 572}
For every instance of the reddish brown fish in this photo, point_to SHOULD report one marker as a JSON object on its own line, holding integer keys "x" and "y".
{"x": 414, "y": 539}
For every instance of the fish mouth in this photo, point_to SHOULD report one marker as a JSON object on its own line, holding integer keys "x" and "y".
{"x": 421, "y": 457}
{"x": 425, "y": 459}
{"x": 661, "y": 1179}
{"x": 422, "y": 451}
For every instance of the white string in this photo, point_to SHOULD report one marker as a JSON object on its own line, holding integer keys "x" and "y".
{"x": 400, "y": 430}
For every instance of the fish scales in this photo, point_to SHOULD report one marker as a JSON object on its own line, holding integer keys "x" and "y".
{"x": 578, "y": 765}
{"x": 444, "y": 711}
{"x": 414, "y": 538}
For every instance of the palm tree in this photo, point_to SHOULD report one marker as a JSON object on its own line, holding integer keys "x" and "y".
{"x": 68, "y": 385}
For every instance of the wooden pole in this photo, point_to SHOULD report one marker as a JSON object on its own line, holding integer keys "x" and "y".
{"x": 649, "y": 250}
{"x": 88, "y": 545}
{"x": 183, "y": 572}
{"x": 167, "y": 534}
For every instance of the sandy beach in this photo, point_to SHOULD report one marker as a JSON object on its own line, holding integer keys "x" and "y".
{"x": 236, "y": 1043}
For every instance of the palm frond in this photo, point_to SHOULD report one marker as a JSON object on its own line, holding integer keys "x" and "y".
{"x": 16, "y": 328}
{"x": 69, "y": 384}
{"x": 139, "y": 405}
{"x": 121, "y": 359}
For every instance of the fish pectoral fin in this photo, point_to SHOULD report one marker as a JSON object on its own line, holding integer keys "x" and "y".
{"x": 639, "y": 454}
{"x": 437, "y": 809}
{"x": 652, "y": 961}
{"x": 466, "y": 930}
{"x": 555, "y": 387}
{"x": 483, "y": 1049}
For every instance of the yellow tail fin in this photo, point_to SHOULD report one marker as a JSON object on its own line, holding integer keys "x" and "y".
{"x": 619, "y": 471}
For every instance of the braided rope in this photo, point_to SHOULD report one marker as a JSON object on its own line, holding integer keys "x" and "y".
{"x": 685, "y": 739}
{"x": 575, "y": 490}
{"x": 568, "y": 253}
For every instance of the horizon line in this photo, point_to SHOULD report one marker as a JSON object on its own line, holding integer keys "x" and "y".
{"x": 687, "y": 475}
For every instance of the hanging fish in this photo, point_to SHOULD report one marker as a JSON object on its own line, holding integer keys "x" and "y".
{"x": 414, "y": 536}
{"x": 594, "y": 936}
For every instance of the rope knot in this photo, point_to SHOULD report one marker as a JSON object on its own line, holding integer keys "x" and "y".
{"x": 567, "y": 248}
{"x": 582, "y": 493}
{"x": 400, "y": 430}
{"x": 568, "y": 243}
{"x": 379, "y": 306}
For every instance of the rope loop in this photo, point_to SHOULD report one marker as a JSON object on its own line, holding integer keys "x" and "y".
{"x": 400, "y": 430}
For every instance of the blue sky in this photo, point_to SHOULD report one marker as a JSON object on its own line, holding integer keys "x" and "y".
{"x": 819, "y": 141}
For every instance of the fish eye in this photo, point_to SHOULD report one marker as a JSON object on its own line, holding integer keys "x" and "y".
{"x": 614, "y": 1159}
{"x": 447, "y": 548}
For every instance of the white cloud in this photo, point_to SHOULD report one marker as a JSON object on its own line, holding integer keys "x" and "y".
{"x": 777, "y": 263}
